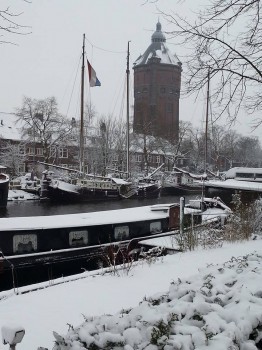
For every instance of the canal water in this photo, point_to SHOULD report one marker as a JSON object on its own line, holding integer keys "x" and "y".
{"x": 45, "y": 208}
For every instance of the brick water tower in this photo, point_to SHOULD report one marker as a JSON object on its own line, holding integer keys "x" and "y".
{"x": 157, "y": 82}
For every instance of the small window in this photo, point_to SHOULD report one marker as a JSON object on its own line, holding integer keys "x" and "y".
{"x": 138, "y": 158}
{"x": 25, "y": 243}
{"x": 63, "y": 153}
{"x": 155, "y": 227}
{"x": 121, "y": 233}
{"x": 39, "y": 151}
{"x": 78, "y": 238}
{"x": 31, "y": 151}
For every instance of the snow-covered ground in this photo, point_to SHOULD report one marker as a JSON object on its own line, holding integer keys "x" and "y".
{"x": 66, "y": 305}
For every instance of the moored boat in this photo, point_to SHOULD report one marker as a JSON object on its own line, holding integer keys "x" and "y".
{"x": 35, "y": 249}
{"x": 41, "y": 248}
{"x": 87, "y": 189}
{"x": 4, "y": 188}
{"x": 247, "y": 182}
{"x": 181, "y": 182}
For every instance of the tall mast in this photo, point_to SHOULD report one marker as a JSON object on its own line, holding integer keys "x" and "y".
{"x": 207, "y": 112}
{"x": 82, "y": 110}
{"x": 127, "y": 112}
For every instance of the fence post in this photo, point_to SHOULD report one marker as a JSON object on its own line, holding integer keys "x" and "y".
{"x": 182, "y": 205}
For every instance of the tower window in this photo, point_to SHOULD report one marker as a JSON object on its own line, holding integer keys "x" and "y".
{"x": 170, "y": 107}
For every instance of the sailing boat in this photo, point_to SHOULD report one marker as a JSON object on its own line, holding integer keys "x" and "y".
{"x": 86, "y": 187}
{"x": 146, "y": 187}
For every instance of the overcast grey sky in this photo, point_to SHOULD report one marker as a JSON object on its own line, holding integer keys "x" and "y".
{"x": 45, "y": 63}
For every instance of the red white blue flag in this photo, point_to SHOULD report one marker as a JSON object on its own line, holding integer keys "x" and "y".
{"x": 93, "y": 80}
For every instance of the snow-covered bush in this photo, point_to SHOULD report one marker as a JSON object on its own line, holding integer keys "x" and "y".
{"x": 152, "y": 255}
{"x": 220, "y": 308}
{"x": 206, "y": 236}
{"x": 245, "y": 220}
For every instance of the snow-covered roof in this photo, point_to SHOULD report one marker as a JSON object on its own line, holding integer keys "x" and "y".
{"x": 158, "y": 49}
{"x": 231, "y": 173}
{"x": 116, "y": 216}
{"x": 235, "y": 184}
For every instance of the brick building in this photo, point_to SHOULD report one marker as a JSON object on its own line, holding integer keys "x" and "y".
{"x": 157, "y": 82}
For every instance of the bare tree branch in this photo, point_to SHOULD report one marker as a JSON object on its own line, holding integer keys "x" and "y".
{"x": 224, "y": 39}
{"x": 9, "y": 24}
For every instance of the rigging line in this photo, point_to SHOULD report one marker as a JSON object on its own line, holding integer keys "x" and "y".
{"x": 73, "y": 87}
{"x": 123, "y": 100}
{"x": 100, "y": 48}
{"x": 117, "y": 96}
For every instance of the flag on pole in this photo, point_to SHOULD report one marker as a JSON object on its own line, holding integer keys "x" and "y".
{"x": 93, "y": 80}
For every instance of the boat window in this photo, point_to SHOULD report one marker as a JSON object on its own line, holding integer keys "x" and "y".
{"x": 25, "y": 243}
{"x": 245, "y": 175}
{"x": 155, "y": 227}
{"x": 258, "y": 176}
{"x": 121, "y": 233}
{"x": 78, "y": 238}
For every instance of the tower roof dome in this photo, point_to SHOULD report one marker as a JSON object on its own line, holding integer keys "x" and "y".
{"x": 158, "y": 36}
{"x": 158, "y": 50}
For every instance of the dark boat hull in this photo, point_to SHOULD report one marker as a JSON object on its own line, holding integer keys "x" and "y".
{"x": 4, "y": 188}
{"x": 180, "y": 190}
{"x": 84, "y": 195}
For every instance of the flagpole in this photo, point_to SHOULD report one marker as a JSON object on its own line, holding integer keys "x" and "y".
{"x": 127, "y": 112}
{"x": 82, "y": 110}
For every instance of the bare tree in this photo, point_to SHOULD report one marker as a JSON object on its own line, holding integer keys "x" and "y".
{"x": 12, "y": 157}
{"x": 9, "y": 24}
{"x": 248, "y": 151}
{"x": 43, "y": 124}
{"x": 224, "y": 39}
{"x": 107, "y": 145}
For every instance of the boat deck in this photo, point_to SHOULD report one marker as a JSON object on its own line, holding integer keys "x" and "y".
{"x": 115, "y": 216}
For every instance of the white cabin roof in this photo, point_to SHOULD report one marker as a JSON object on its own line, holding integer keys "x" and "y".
{"x": 231, "y": 173}
{"x": 235, "y": 184}
{"x": 108, "y": 217}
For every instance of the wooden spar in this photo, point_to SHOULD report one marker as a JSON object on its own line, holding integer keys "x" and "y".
{"x": 207, "y": 112}
{"x": 81, "y": 167}
{"x": 127, "y": 112}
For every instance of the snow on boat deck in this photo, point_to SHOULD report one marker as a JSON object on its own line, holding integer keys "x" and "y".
{"x": 20, "y": 195}
{"x": 235, "y": 184}
{"x": 108, "y": 217}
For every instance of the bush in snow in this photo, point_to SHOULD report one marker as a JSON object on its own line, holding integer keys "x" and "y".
{"x": 206, "y": 236}
{"x": 220, "y": 309}
{"x": 152, "y": 255}
{"x": 117, "y": 258}
{"x": 244, "y": 221}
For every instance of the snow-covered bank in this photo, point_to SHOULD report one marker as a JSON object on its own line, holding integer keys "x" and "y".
{"x": 218, "y": 308}
{"x": 52, "y": 309}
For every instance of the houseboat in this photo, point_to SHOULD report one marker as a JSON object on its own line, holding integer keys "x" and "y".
{"x": 35, "y": 249}
{"x": 247, "y": 182}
